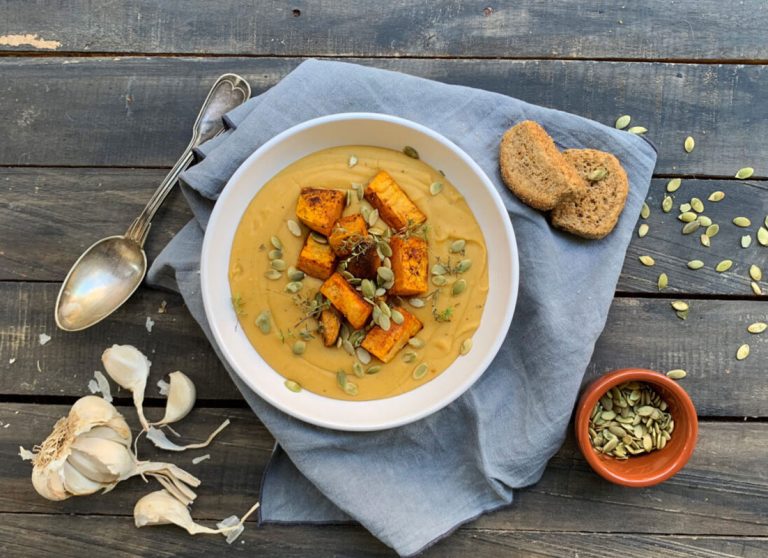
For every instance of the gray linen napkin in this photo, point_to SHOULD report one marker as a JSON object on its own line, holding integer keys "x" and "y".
{"x": 412, "y": 485}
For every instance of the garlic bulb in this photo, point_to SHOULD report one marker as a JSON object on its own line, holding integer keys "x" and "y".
{"x": 89, "y": 450}
{"x": 161, "y": 508}
{"x": 181, "y": 398}
{"x": 128, "y": 366}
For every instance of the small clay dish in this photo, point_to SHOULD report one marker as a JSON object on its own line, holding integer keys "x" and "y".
{"x": 645, "y": 469}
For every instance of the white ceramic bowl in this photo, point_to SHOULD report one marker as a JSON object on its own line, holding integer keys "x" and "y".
{"x": 383, "y": 131}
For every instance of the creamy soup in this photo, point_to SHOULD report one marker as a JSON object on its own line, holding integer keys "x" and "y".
{"x": 449, "y": 319}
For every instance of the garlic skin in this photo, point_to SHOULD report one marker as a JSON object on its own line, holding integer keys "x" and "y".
{"x": 89, "y": 450}
{"x": 128, "y": 366}
{"x": 158, "y": 437}
{"x": 181, "y": 398}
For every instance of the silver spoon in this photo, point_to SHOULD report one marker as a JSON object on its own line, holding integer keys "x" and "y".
{"x": 109, "y": 272}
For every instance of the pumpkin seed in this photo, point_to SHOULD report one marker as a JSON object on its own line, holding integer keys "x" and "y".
{"x": 357, "y": 370}
{"x": 622, "y": 121}
{"x": 689, "y": 144}
{"x": 294, "y": 274}
{"x": 642, "y": 230}
{"x": 704, "y": 221}
{"x": 687, "y": 217}
{"x": 373, "y": 370}
{"x": 677, "y": 374}
{"x": 320, "y": 239}
{"x": 691, "y": 227}
{"x": 352, "y": 161}
{"x": 724, "y": 265}
{"x": 381, "y": 291}
{"x": 683, "y": 315}
{"x": 273, "y": 275}
{"x": 385, "y": 309}
{"x": 439, "y": 280}
{"x": 438, "y": 269}
{"x": 416, "y": 343}
{"x": 385, "y": 249}
{"x": 293, "y": 227}
{"x": 741, "y": 222}
{"x": 695, "y": 264}
{"x": 385, "y": 273}
{"x": 279, "y": 265}
{"x": 646, "y": 411}
{"x": 756, "y": 288}
{"x": 275, "y": 254}
{"x": 674, "y": 184}
{"x": 397, "y": 317}
{"x": 416, "y": 302}
{"x": 704, "y": 240}
{"x": 358, "y": 188}
{"x": 363, "y": 355}
{"x": 637, "y": 130}
{"x": 466, "y": 346}
{"x": 276, "y": 242}
{"x": 348, "y": 347}
{"x": 299, "y": 347}
{"x": 350, "y": 388}
{"x": 464, "y": 265}
{"x": 598, "y": 174}
{"x": 666, "y": 204}
{"x": 295, "y": 387}
{"x": 716, "y": 196}
{"x": 647, "y": 261}
{"x": 757, "y": 327}
{"x": 645, "y": 211}
{"x": 368, "y": 288}
{"x": 459, "y": 287}
{"x": 384, "y": 322}
{"x": 420, "y": 371}
{"x": 348, "y": 200}
{"x": 264, "y": 323}
{"x": 742, "y": 352}
{"x": 712, "y": 230}
{"x": 458, "y": 246}
{"x": 755, "y": 273}
{"x": 697, "y": 205}
{"x": 409, "y": 357}
{"x": 680, "y": 305}
{"x": 294, "y": 287}
{"x": 411, "y": 152}
{"x": 435, "y": 188}
{"x": 762, "y": 236}
{"x": 746, "y": 241}
{"x": 373, "y": 216}
{"x": 663, "y": 281}
{"x": 744, "y": 173}
{"x": 685, "y": 207}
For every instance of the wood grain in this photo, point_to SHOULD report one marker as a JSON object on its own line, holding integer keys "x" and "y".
{"x": 139, "y": 111}
{"x": 653, "y": 29}
{"x": 722, "y": 491}
{"x": 640, "y": 332}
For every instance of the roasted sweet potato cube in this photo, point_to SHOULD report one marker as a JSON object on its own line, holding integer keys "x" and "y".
{"x": 410, "y": 263}
{"x": 395, "y": 207}
{"x": 384, "y": 345}
{"x": 320, "y": 208}
{"x": 346, "y": 300}
{"x": 346, "y": 233}
{"x": 331, "y": 323}
{"x": 316, "y": 259}
{"x": 365, "y": 264}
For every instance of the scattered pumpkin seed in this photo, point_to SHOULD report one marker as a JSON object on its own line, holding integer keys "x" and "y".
{"x": 637, "y": 130}
{"x": 317, "y": 237}
{"x": 293, "y": 227}
{"x": 358, "y": 188}
{"x": 373, "y": 216}
{"x": 742, "y": 352}
{"x": 350, "y": 388}
{"x": 647, "y": 261}
{"x": 762, "y": 236}
{"x": 381, "y": 291}
{"x": 273, "y": 275}
{"x": 416, "y": 343}
{"x": 439, "y": 280}
{"x": 357, "y": 370}
{"x": 438, "y": 269}
{"x": 466, "y": 346}
{"x": 689, "y": 144}
{"x": 712, "y": 230}
{"x": 704, "y": 240}
{"x": 704, "y": 221}
{"x": 385, "y": 309}
{"x": 397, "y": 317}
{"x": 416, "y": 302}
{"x": 663, "y": 281}
{"x": 385, "y": 273}
{"x": 409, "y": 357}
{"x": 685, "y": 207}
{"x": 598, "y": 174}
{"x": 411, "y": 152}
{"x": 645, "y": 211}
{"x": 716, "y": 196}
{"x": 756, "y": 288}
{"x": 757, "y": 327}
{"x": 275, "y": 254}
{"x": 264, "y": 323}
{"x": 294, "y": 274}
{"x": 459, "y": 287}
{"x": 276, "y": 242}
{"x": 741, "y": 222}
{"x": 385, "y": 249}
{"x": 349, "y": 195}
{"x": 352, "y": 161}
{"x": 368, "y": 288}
{"x": 363, "y": 355}
{"x": 435, "y": 188}
{"x": 744, "y": 173}
{"x": 384, "y": 322}
{"x": 420, "y": 371}
{"x": 294, "y": 287}
{"x": 373, "y": 369}
{"x": 279, "y": 265}
{"x": 622, "y": 121}
{"x": 674, "y": 184}
{"x": 697, "y": 205}
{"x": 299, "y": 347}
{"x": 680, "y": 306}
{"x": 746, "y": 241}
{"x": 666, "y": 204}
{"x": 677, "y": 374}
{"x": 691, "y": 227}
{"x": 642, "y": 230}
{"x": 458, "y": 246}
{"x": 682, "y": 314}
{"x": 724, "y": 265}
{"x": 687, "y": 217}
{"x": 295, "y": 387}
{"x": 464, "y": 265}
{"x": 755, "y": 273}
{"x": 695, "y": 264}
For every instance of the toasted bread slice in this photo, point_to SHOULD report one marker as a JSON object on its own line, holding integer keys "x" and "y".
{"x": 595, "y": 214}
{"x": 534, "y": 170}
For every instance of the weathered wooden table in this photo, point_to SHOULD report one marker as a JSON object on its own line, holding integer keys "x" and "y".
{"x": 96, "y": 102}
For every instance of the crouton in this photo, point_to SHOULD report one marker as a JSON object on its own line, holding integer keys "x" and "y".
{"x": 365, "y": 264}
{"x": 346, "y": 300}
{"x": 331, "y": 325}
{"x": 319, "y": 208}
{"x": 346, "y": 232}
{"x": 410, "y": 263}
{"x": 395, "y": 207}
{"x": 316, "y": 259}
{"x": 384, "y": 345}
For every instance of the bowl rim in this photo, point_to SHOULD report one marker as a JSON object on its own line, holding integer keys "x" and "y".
{"x": 589, "y": 399}
{"x": 508, "y": 241}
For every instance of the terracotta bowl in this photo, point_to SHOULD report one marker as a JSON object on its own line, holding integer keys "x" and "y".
{"x": 647, "y": 469}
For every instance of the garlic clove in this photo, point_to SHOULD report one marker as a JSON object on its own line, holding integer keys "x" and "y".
{"x": 158, "y": 437}
{"x": 107, "y": 433}
{"x": 78, "y": 484}
{"x": 47, "y": 483}
{"x": 90, "y": 411}
{"x": 107, "y": 455}
{"x": 127, "y": 366}
{"x": 181, "y": 398}
{"x": 91, "y": 468}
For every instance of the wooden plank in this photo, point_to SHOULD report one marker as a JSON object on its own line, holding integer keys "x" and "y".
{"x": 138, "y": 112}
{"x": 722, "y": 491}
{"x": 653, "y": 29}
{"x": 48, "y": 203}
{"x": 640, "y": 332}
